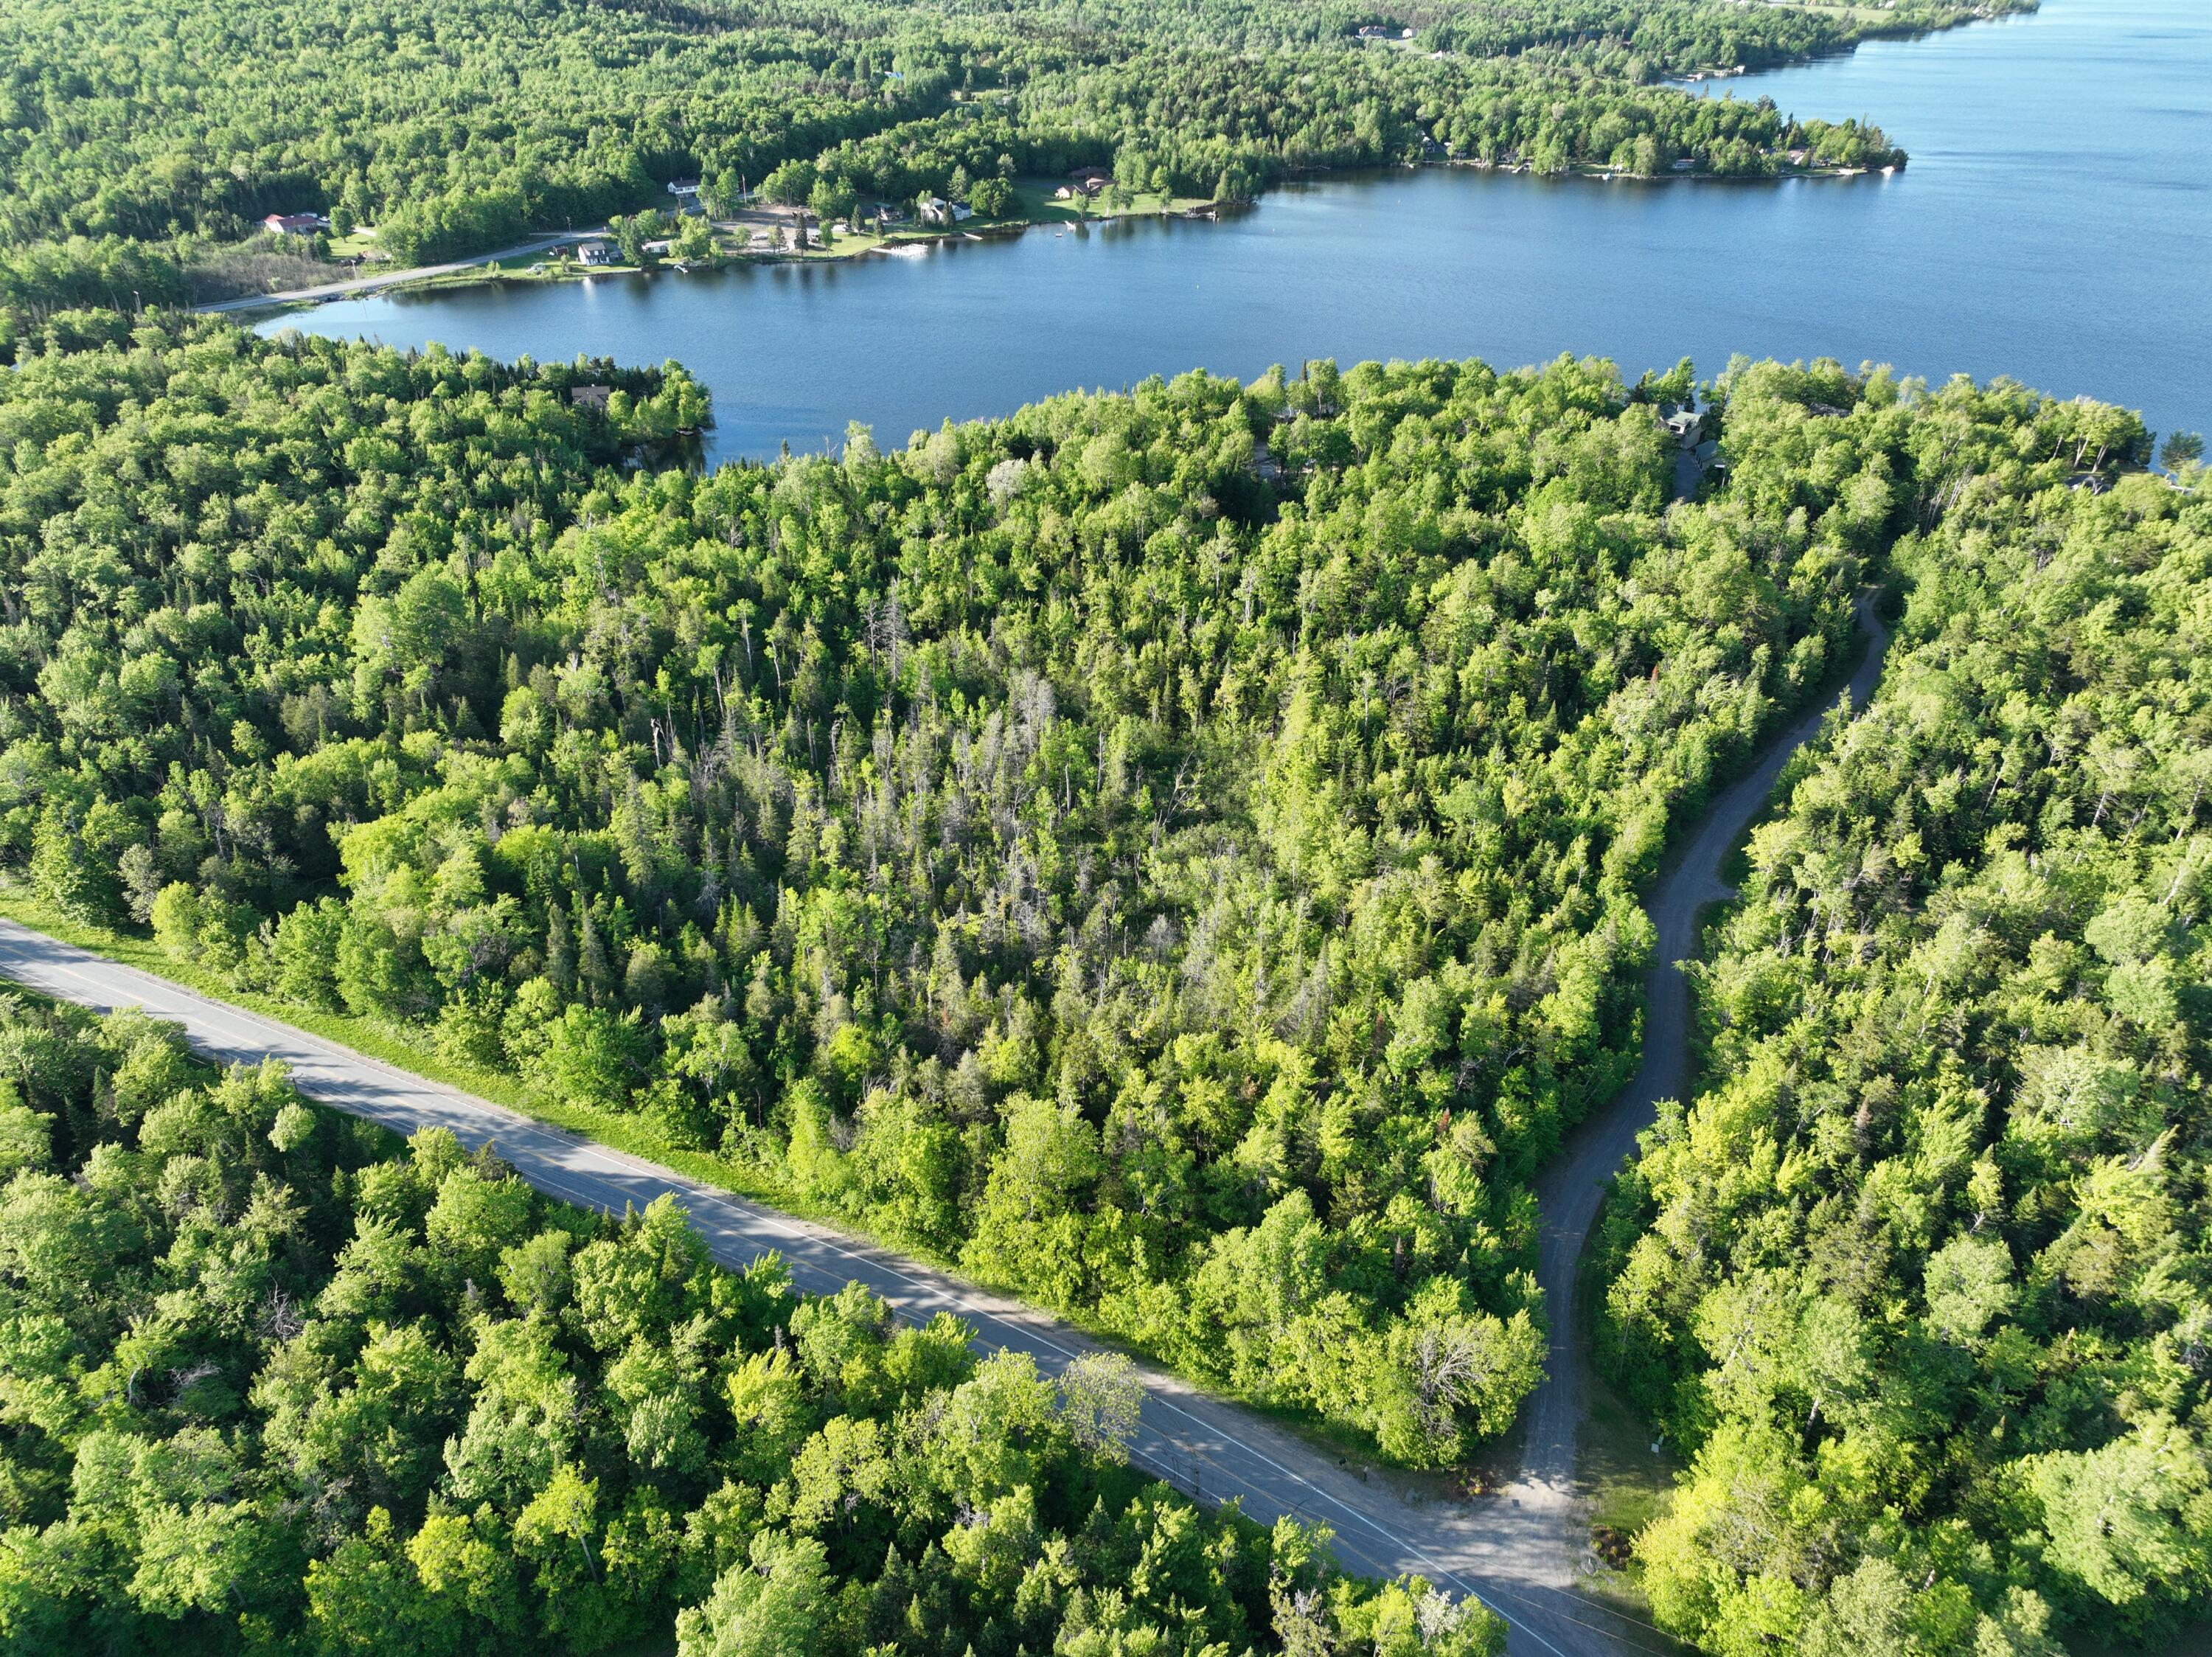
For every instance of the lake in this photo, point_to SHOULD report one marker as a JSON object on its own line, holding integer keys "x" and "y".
{"x": 2055, "y": 225}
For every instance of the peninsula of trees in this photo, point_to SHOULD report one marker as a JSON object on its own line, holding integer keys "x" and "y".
{"x": 1176, "y": 855}
{"x": 136, "y": 140}
{"x": 1193, "y": 887}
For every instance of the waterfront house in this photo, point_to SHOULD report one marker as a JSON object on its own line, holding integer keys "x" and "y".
{"x": 595, "y": 252}
{"x": 1682, "y": 424}
{"x": 934, "y": 211}
{"x": 590, "y": 397}
{"x": 961, "y": 212}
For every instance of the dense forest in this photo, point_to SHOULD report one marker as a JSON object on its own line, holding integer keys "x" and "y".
{"x": 268, "y": 1384}
{"x": 134, "y": 136}
{"x": 1176, "y": 855}
{"x": 1920, "y": 1275}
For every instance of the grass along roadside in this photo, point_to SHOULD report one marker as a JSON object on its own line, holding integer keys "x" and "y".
{"x": 1035, "y": 205}
{"x": 1624, "y": 1476}
{"x": 408, "y": 1048}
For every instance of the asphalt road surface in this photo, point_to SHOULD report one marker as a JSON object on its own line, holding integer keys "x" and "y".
{"x": 1520, "y": 1551}
{"x": 1214, "y": 1449}
{"x": 389, "y": 278}
{"x": 1541, "y": 1503}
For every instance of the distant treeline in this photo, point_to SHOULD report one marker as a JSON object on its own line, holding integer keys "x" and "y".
{"x": 459, "y": 128}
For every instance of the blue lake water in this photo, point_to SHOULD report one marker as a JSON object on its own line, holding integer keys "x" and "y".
{"x": 2055, "y": 225}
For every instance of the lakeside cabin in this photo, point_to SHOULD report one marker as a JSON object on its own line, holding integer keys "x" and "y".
{"x": 589, "y": 397}
{"x": 295, "y": 224}
{"x": 595, "y": 252}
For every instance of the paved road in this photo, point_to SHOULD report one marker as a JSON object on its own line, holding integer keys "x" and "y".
{"x": 1519, "y": 1551}
{"x": 413, "y": 273}
{"x": 1543, "y": 1500}
{"x": 1219, "y": 1450}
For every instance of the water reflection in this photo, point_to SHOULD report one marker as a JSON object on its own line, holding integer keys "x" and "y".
{"x": 2055, "y": 225}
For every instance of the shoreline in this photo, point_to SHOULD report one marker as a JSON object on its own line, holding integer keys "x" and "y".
{"x": 488, "y": 269}
{"x": 495, "y": 267}
{"x": 479, "y": 269}
{"x": 1875, "y": 34}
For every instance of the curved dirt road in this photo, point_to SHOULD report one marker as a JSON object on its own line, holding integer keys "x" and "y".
{"x": 1541, "y": 1502}
{"x": 1519, "y": 1552}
